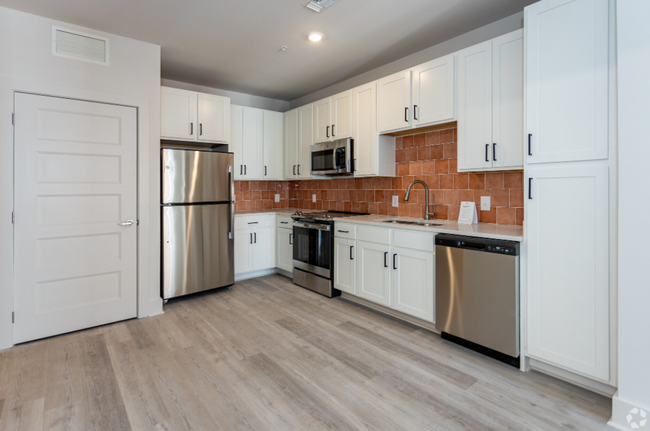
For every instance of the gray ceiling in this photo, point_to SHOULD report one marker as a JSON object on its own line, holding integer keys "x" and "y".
{"x": 235, "y": 44}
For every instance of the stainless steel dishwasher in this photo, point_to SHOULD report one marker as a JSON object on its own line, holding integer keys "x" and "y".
{"x": 477, "y": 294}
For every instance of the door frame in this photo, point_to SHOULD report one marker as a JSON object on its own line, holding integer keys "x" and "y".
{"x": 149, "y": 302}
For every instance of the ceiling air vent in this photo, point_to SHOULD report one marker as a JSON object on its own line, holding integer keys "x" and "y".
{"x": 318, "y": 5}
{"x": 80, "y": 46}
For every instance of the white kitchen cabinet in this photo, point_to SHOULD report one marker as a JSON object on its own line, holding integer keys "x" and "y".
{"x": 291, "y": 148}
{"x": 284, "y": 254}
{"x": 305, "y": 140}
{"x": 434, "y": 91}
{"x": 345, "y": 265}
{"x": 254, "y": 243}
{"x": 243, "y": 254}
{"x": 567, "y": 80}
{"x": 394, "y": 102}
{"x": 333, "y": 118}
{"x": 263, "y": 249}
{"x": 191, "y": 116}
{"x": 374, "y": 154}
{"x": 413, "y": 282}
{"x": 490, "y": 105}
{"x": 568, "y": 231}
{"x": 247, "y": 142}
{"x": 322, "y": 121}
{"x": 273, "y": 142}
{"x": 374, "y": 272}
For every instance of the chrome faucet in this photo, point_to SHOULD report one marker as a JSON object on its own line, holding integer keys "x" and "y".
{"x": 426, "y": 198}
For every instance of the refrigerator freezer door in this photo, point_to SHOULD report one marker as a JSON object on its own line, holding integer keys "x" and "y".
{"x": 196, "y": 176}
{"x": 197, "y": 251}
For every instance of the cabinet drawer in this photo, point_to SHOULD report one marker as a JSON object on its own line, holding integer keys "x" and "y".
{"x": 414, "y": 240}
{"x": 284, "y": 222}
{"x": 345, "y": 230}
{"x": 253, "y": 222}
{"x": 378, "y": 235}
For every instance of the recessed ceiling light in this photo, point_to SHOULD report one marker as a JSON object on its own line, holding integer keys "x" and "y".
{"x": 315, "y": 36}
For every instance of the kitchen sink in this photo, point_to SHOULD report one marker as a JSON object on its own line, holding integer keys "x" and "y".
{"x": 427, "y": 223}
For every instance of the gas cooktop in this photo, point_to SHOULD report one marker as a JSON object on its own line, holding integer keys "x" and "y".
{"x": 323, "y": 215}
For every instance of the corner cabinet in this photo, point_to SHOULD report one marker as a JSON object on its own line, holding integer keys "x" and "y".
{"x": 422, "y": 96}
{"x": 196, "y": 117}
{"x": 490, "y": 105}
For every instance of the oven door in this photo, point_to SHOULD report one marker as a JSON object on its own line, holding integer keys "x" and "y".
{"x": 312, "y": 248}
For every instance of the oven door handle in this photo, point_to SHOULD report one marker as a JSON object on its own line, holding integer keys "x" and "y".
{"x": 311, "y": 225}
{"x": 334, "y": 165}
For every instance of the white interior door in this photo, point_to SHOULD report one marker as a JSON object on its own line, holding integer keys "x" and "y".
{"x": 75, "y": 182}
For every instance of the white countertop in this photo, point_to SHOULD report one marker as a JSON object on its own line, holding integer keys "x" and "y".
{"x": 481, "y": 230}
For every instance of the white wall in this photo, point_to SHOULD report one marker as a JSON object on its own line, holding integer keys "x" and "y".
{"x": 132, "y": 78}
{"x": 633, "y": 35}
{"x": 236, "y": 98}
{"x": 490, "y": 31}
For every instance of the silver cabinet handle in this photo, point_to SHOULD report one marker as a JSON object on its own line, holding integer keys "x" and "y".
{"x": 126, "y": 223}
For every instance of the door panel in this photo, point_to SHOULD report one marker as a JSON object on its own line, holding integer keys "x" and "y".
{"x": 373, "y": 278}
{"x": 475, "y": 107}
{"x": 413, "y": 282}
{"x": 177, "y": 114}
{"x": 236, "y": 140}
{"x": 434, "y": 91}
{"x": 197, "y": 252}
{"x": 341, "y": 116}
{"x": 394, "y": 102}
{"x": 322, "y": 121}
{"x": 290, "y": 144}
{"x": 365, "y": 129}
{"x": 252, "y": 141}
{"x": 214, "y": 118}
{"x": 243, "y": 252}
{"x": 284, "y": 255}
{"x": 263, "y": 250}
{"x": 345, "y": 265}
{"x": 567, "y": 80}
{"x": 568, "y": 268}
{"x": 75, "y": 181}
{"x": 273, "y": 145}
{"x": 305, "y": 140}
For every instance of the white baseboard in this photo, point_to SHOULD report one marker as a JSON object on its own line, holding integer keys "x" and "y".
{"x": 568, "y": 376}
{"x": 283, "y": 272}
{"x": 255, "y": 274}
{"x": 620, "y": 409}
{"x": 389, "y": 311}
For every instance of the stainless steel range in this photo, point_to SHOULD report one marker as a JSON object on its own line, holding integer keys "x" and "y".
{"x": 313, "y": 250}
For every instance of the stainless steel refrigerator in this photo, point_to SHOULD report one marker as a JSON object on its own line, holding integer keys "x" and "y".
{"x": 197, "y": 221}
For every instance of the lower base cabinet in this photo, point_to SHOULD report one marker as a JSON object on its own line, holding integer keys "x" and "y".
{"x": 374, "y": 272}
{"x": 413, "y": 282}
{"x": 345, "y": 265}
{"x": 254, "y": 245}
{"x": 285, "y": 250}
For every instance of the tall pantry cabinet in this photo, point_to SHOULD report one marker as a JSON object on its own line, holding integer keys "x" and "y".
{"x": 570, "y": 187}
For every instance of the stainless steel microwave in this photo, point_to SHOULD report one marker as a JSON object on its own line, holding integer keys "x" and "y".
{"x": 333, "y": 158}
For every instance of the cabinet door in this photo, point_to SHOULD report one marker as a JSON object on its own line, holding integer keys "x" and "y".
{"x": 214, "y": 118}
{"x": 273, "y": 145}
{"x": 374, "y": 272}
{"x": 341, "y": 111}
{"x": 306, "y": 136}
{"x": 236, "y": 143}
{"x": 434, "y": 91}
{"x": 345, "y": 265}
{"x": 475, "y": 107}
{"x": 364, "y": 123}
{"x": 243, "y": 252}
{"x": 394, "y": 102}
{"x": 291, "y": 144}
{"x": 263, "y": 250}
{"x": 252, "y": 143}
{"x": 413, "y": 282}
{"x": 322, "y": 121}
{"x": 178, "y": 114}
{"x": 508, "y": 100}
{"x": 284, "y": 250}
{"x": 567, "y": 80}
{"x": 568, "y": 268}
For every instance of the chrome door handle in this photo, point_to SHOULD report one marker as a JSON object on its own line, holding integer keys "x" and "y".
{"x": 126, "y": 223}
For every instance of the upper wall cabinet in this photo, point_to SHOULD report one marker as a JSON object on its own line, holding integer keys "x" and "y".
{"x": 273, "y": 142}
{"x": 567, "y": 81}
{"x": 490, "y": 105}
{"x": 191, "y": 116}
{"x": 298, "y": 138}
{"x": 422, "y": 96}
{"x": 247, "y": 142}
{"x": 333, "y": 118}
{"x": 291, "y": 153}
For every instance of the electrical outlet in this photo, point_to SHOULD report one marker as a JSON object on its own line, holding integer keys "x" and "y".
{"x": 313, "y": 198}
{"x": 277, "y": 197}
{"x": 485, "y": 203}
{"x": 395, "y": 201}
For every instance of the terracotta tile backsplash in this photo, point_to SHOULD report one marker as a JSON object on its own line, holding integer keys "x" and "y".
{"x": 430, "y": 157}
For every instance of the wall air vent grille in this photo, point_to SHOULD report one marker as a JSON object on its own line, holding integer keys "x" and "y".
{"x": 79, "y": 46}
{"x": 318, "y": 5}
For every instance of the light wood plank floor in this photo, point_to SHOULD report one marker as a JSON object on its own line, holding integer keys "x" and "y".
{"x": 268, "y": 355}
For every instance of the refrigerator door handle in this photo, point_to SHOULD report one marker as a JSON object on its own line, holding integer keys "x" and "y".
{"x": 231, "y": 182}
